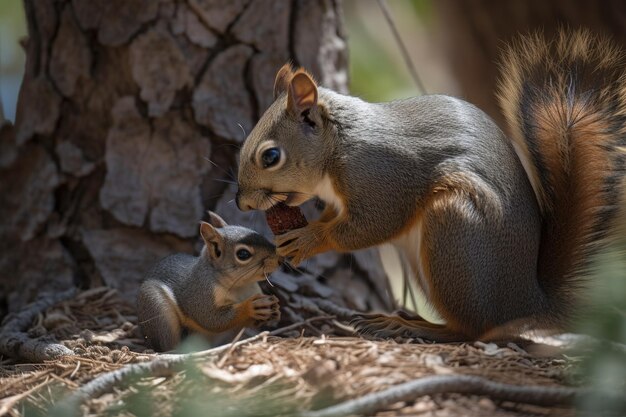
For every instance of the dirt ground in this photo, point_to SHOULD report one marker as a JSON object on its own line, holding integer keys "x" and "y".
{"x": 272, "y": 375}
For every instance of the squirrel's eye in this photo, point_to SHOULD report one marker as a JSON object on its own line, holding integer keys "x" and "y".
{"x": 243, "y": 254}
{"x": 270, "y": 157}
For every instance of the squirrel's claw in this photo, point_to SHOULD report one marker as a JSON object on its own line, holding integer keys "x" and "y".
{"x": 299, "y": 244}
{"x": 385, "y": 326}
{"x": 292, "y": 245}
{"x": 378, "y": 325}
{"x": 275, "y": 317}
{"x": 262, "y": 308}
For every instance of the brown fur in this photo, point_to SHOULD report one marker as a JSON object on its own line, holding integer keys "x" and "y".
{"x": 283, "y": 78}
{"x": 578, "y": 177}
{"x": 564, "y": 102}
{"x": 192, "y": 325}
{"x": 244, "y": 314}
{"x": 468, "y": 184}
{"x": 455, "y": 183}
{"x": 303, "y": 93}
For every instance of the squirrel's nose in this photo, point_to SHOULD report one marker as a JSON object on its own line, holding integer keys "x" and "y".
{"x": 241, "y": 206}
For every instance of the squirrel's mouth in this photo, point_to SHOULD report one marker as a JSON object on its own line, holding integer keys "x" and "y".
{"x": 265, "y": 199}
{"x": 290, "y": 198}
{"x": 268, "y": 266}
{"x": 259, "y": 272}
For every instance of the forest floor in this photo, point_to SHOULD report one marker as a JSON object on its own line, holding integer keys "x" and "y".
{"x": 266, "y": 375}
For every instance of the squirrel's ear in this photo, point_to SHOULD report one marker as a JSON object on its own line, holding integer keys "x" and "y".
{"x": 302, "y": 92}
{"x": 208, "y": 232}
{"x": 216, "y": 220}
{"x": 283, "y": 76}
{"x": 212, "y": 240}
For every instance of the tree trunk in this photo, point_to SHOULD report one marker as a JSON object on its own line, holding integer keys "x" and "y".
{"x": 474, "y": 31}
{"x": 128, "y": 123}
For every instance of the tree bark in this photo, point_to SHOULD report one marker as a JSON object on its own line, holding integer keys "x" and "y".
{"x": 128, "y": 122}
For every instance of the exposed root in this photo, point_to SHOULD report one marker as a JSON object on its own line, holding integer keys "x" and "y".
{"x": 445, "y": 384}
{"x": 16, "y": 343}
{"x": 162, "y": 365}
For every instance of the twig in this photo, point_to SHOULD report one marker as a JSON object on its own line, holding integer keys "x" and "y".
{"x": 583, "y": 342}
{"x": 222, "y": 360}
{"x": 328, "y": 307}
{"x": 212, "y": 351}
{"x": 162, "y": 365}
{"x": 299, "y": 324}
{"x": 3, "y": 119}
{"x": 406, "y": 280}
{"x": 16, "y": 343}
{"x": 70, "y": 406}
{"x": 6, "y": 404}
{"x": 462, "y": 384}
{"x": 405, "y": 53}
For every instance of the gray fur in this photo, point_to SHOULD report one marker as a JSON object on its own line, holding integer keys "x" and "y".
{"x": 193, "y": 282}
{"x": 384, "y": 159}
{"x": 158, "y": 320}
{"x": 389, "y": 154}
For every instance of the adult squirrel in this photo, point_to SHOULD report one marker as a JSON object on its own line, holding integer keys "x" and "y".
{"x": 212, "y": 293}
{"x": 498, "y": 233}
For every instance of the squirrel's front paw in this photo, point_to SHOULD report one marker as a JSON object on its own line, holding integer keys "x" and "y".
{"x": 263, "y": 308}
{"x": 300, "y": 244}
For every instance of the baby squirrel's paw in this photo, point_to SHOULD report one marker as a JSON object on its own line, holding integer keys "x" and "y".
{"x": 275, "y": 318}
{"x": 263, "y": 308}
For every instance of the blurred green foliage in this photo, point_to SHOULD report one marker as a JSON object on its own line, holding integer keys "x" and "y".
{"x": 12, "y": 57}
{"x": 605, "y": 319}
{"x": 12, "y": 29}
{"x": 376, "y": 74}
{"x": 607, "y": 290}
{"x": 424, "y": 10}
{"x": 371, "y": 76}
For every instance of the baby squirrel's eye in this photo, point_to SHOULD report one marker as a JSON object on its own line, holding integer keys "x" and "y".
{"x": 270, "y": 157}
{"x": 243, "y": 254}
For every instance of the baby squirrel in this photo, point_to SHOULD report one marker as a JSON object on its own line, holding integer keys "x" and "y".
{"x": 498, "y": 232}
{"x": 212, "y": 293}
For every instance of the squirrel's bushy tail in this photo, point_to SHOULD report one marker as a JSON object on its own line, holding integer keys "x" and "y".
{"x": 565, "y": 104}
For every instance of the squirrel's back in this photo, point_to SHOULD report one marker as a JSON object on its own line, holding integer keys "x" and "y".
{"x": 565, "y": 104}
{"x": 173, "y": 269}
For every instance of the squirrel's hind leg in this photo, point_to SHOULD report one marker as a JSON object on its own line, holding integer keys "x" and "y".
{"x": 158, "y": 316}
{"x": 478, "y": 262}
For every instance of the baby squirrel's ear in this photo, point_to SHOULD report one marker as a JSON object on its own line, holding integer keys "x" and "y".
{"x": 212, "y": 240}
{"x": 283, "y": 76}
{"x": 208, "y": 232}
{"x": 302, "y": 92}
{"x": 216, "y": 220}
